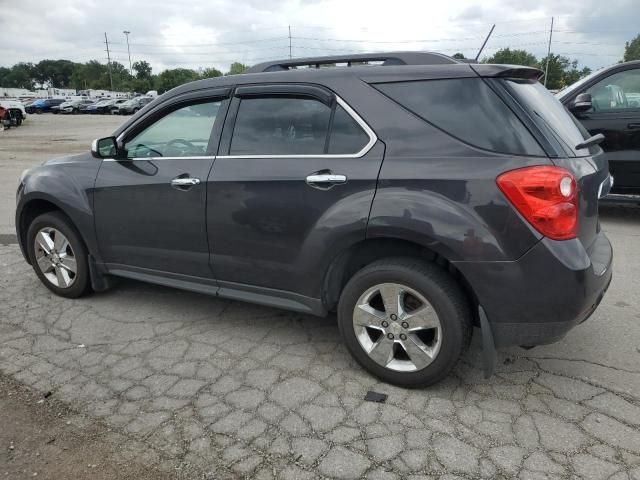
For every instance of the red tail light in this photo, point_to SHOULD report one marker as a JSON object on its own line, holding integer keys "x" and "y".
{"x": 546, "y": 196}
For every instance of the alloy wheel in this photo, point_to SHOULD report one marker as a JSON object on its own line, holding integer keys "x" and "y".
{"x": 55, "y": 257}
{"x": 397, "y": 327}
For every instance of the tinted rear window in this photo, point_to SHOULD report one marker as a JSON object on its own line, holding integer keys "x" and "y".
{"x": 280, "y": 126}
{"x": 347, "y": 136}
{"x": 467, "y": 109}
{"x": 549, "y": 114}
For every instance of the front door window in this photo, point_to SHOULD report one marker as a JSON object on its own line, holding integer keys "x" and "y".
{"x": 184, "y": 132}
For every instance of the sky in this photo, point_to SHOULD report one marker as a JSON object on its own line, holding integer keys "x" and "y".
{"x": 215, "y": 33}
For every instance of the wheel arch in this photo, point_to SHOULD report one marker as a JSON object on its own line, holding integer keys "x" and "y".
{"x": 367, "y": 251}
{"x": 33, "y": 208}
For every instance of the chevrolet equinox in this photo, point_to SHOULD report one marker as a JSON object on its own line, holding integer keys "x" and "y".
{"x": 414, "y": 195}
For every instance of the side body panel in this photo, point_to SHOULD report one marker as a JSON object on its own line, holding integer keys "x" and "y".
{"x": 142, "y": 221}
{"x": 67, "y": 183}
{"x": 268, "y": 228}
{"x": 441, "y": 193}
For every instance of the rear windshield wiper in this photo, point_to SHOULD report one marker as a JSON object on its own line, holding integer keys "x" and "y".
{"x": 591, "y": 141}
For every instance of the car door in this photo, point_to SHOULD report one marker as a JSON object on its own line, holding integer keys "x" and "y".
{"x": 293, "y": 180}
{"x": 616, "y": 114}
{"x": 150, "y": 207}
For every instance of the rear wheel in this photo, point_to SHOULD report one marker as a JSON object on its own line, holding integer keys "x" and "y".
{"x": 58, "y": 255}
{"x": 405, "y": 321}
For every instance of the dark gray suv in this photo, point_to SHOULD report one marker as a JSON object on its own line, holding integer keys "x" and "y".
{"x": 414, "y": 195}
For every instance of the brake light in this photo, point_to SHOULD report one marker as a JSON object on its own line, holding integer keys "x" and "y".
{"x": 546, "y": 196}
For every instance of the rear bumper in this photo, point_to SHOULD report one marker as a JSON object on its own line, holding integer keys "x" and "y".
{"x": 540, "y": 297}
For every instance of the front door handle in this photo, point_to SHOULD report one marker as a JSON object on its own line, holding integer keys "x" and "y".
{"x": 325, "y": 181}
{"x": 633, "y": 126}
{"x": 184, "y": 183}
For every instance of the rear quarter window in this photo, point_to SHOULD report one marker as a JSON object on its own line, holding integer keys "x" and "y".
{"x": 467, "y": 109}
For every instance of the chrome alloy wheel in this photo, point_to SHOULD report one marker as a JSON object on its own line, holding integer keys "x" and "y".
{"x": 397, "y": 327}
{"x": 55, "y": 257}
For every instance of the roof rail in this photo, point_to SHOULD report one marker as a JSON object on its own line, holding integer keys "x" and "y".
{"x": 388, "y": 58}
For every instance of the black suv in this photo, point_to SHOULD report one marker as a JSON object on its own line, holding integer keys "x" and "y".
{"x": 416, "y": 197}
{"x": 608, "y": 102}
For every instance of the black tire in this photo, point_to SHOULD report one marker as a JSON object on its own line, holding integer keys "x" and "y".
{"x": 81, "y": 284}
{"x": 442, "y": 292}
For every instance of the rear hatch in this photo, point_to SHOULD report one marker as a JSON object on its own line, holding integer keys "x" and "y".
{"x": 561, "y": 133}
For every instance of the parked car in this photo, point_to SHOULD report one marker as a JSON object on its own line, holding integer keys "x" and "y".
{"x": 85, "y": 108}
{"x": 608, "y": 102}
{"x": 101, "y": 106}
{"x": 16, "y": 110}
{"x": 416, "y": 198}
{"x": 115, "y": 106}
{"x": 133, "y": 105}
{"x": 43, "y": 105}
{"x": 74, "y": 106}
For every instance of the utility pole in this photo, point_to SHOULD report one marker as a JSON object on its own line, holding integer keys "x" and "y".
{"x": 485, "y": 42}
{"x": 289, "y": 41}
{"x": 546, "y": 69}
{"x": 106, "y": 42}
{"x": 126, "y": 33}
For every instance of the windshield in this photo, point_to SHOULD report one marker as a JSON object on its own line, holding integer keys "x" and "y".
{"x": 549, "y": 114}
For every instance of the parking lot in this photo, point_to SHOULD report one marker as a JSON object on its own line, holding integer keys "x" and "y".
{"x": 202, "y": 387}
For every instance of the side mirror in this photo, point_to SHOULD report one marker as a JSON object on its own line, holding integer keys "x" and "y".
{"x": 104, "y": 147}
{"x": 582, "y": 103}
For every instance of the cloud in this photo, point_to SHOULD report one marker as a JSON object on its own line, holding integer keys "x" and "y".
{"x": 214, "y": 33}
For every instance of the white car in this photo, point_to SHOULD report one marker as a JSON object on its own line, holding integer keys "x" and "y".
{"x": 16, "y": 108}
{"x": 73, "y": 106}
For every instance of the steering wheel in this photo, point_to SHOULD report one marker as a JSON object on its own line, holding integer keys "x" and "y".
{"x": 148, "y": 151}
{"x": 180, "y": 151}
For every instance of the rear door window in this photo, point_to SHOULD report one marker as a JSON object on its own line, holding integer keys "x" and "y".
{"x": 292, "y": 126}
{"x": 467, "y": 109}
{"x": 347, "y": 136}
{"x": 280, "y": 126}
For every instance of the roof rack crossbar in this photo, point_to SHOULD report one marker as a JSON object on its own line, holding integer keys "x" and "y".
{"x": 388, "y": 58}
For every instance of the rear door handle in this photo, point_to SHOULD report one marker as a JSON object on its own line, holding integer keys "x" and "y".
{"x": 633, "y": 126}
{"x": 325, "y": 180}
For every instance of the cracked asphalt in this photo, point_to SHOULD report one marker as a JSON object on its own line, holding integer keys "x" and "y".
{"x": 234, "y": 390}
{"x": 207, "y": 388}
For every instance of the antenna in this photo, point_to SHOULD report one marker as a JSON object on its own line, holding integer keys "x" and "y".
{"x": 485, "y": 42}
{"x": 546, "y": 69}
{"x": 290, "y": 41}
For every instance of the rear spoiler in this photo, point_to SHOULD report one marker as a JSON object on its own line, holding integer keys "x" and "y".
{"x": 507, "y": 71}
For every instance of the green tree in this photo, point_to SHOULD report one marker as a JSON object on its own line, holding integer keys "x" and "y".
{"x": 210, "y": 73}
{"x": 18, "y": 76}
{"x": 142, "y": 69}
{"x": 562, "y": 71}
{"x": 169, "y": 79}
{"x": 53, "y": 73}
{"x": 459, "y": 56}
{"x": 632, "y": 49}
{"x": 121, "y": 76}
{"x": 512, "y": 57}
{"x": 236, "y": 68}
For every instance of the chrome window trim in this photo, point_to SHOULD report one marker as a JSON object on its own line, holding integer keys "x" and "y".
{"x": 352, "y": 113}
{"x": 138, "y": 159}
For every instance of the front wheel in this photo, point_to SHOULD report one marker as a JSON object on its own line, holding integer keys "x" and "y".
{"x": 58, "y": 255}
{"x": 405, "y": 321}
